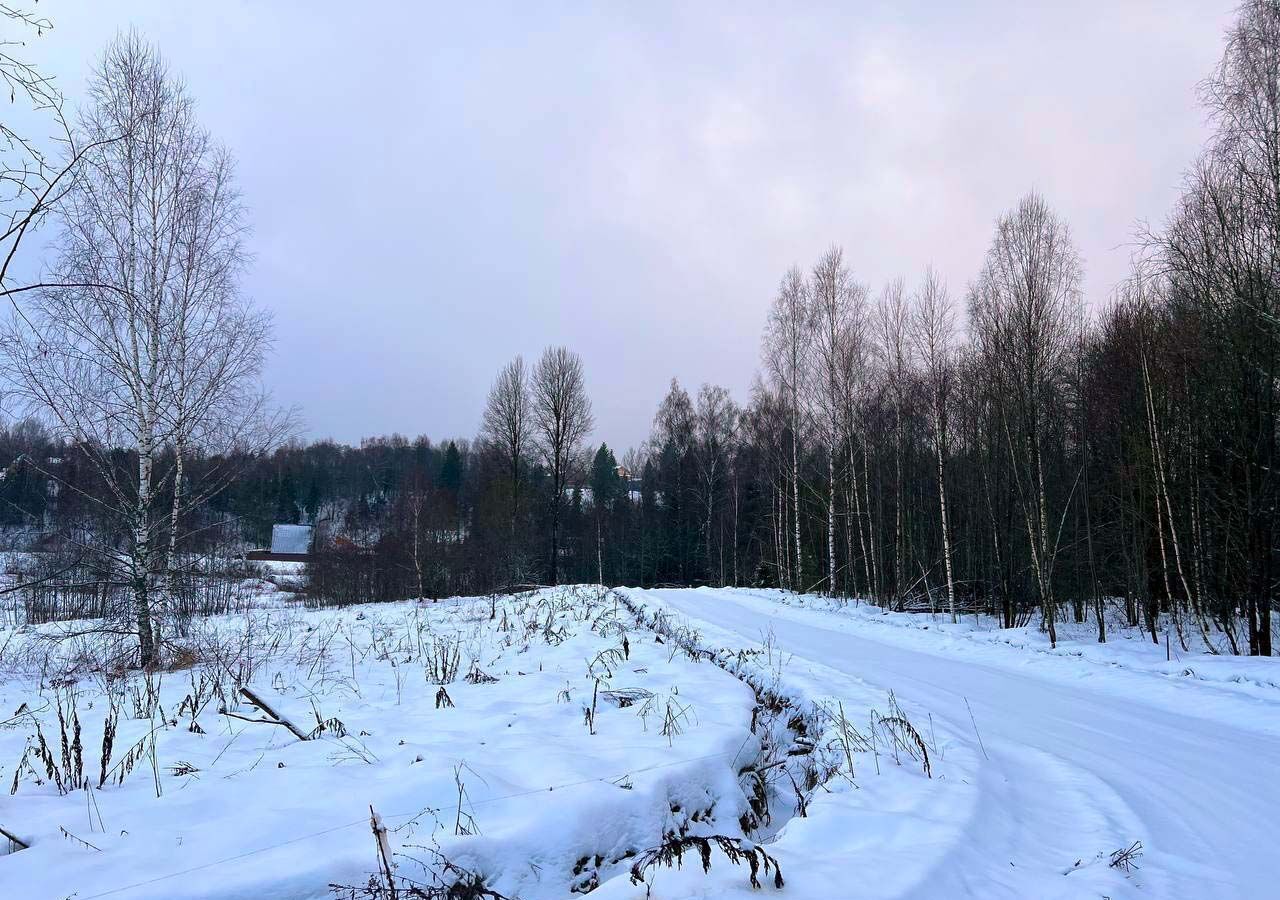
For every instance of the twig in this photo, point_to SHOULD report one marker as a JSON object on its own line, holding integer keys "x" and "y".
{"x": 231, "y": 715}
{"x": 79, "y": 840}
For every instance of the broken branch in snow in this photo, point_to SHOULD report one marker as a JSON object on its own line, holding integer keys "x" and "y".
{"x": 266, "y": 708}
{"x": 1127, "y": 857}
{"x": 229, "y": 714}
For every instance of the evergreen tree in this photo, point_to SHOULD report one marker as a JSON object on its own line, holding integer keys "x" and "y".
{"x": 606, "y": 485}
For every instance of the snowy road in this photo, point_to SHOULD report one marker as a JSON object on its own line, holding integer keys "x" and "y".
{"x": 1083, "y": 758}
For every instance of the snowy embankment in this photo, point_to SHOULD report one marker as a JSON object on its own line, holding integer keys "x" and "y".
{"x": 1222, "y": 687}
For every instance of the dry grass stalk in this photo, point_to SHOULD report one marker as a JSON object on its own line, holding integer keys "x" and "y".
{"x": 671, "y": 853}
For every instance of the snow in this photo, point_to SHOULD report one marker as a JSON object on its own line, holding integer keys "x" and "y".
{"x": 1044, "y": 762}
{"x": 285, "y": 574}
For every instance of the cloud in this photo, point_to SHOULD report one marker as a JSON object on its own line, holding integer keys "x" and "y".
{"x": 435, "y": 189}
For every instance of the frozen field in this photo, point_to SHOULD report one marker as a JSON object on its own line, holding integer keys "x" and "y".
{"x": 545, "y": 745}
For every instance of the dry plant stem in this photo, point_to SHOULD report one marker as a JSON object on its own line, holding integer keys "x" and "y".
{"x": 975, "y": 728}
{"x": 13, "y": 838}
{"x": 844, "y": 739}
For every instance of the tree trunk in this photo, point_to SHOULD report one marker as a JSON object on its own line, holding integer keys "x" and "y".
{"x": 871, "y": 524}
{"x": 171, "y": 566}
{"x": 736, "y": 581}
{"x": 142, "y": 559}
{"x": 555, "y": 537}
{"x": 798, "y": 576}
{"x": 831, "y": 522}
{"x": 946, "y": 533}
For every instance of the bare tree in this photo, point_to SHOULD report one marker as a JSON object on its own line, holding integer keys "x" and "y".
{"x": 787, "y": 358}
{"x": 764, "y": 429}
{"x": 836, "y": 310}
{"x": 1025, "y": 315}
{"x": 562, "y": 419}
{"x": 673, "y": 441}
{"x": 894, "y": 351}
{"x": 715, "y": 419}
{"x": 673, "y": 422}
{"x": 934, "y": 332}
{"x": 506, "y": 424}
{"x": 143, "y": 343}
{"x": 217, "y": 341}
{"x": 1223, "y": 249}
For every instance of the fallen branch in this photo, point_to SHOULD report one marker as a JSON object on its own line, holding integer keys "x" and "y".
{"x": 266, "y": 708}
{"x": 229, "y": 714}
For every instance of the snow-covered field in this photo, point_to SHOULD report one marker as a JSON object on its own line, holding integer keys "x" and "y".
{"x": 543, "y": 745}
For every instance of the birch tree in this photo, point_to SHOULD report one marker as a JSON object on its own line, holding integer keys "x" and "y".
{"x": 216, "y": 340}
{"x": 933, "y": 331}
{"x": 140, "y": 342}
{"x": 787, "y": 359}
{"x": 1025, "y": 315}
{"x": 835, "y": 309}
{"x": 673, "y": 440}
{"x": 715, "y": 418}
{"x": 893, "y": 348}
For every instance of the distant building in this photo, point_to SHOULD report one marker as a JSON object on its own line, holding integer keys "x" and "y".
{"x": 289, "y": 543}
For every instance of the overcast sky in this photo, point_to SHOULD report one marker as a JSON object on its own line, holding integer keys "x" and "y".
{"x": 435, "y": 188}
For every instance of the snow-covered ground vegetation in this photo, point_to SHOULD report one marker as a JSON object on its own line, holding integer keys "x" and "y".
{"x": 532, "y": 746}
{"x": 626, "y": 743}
